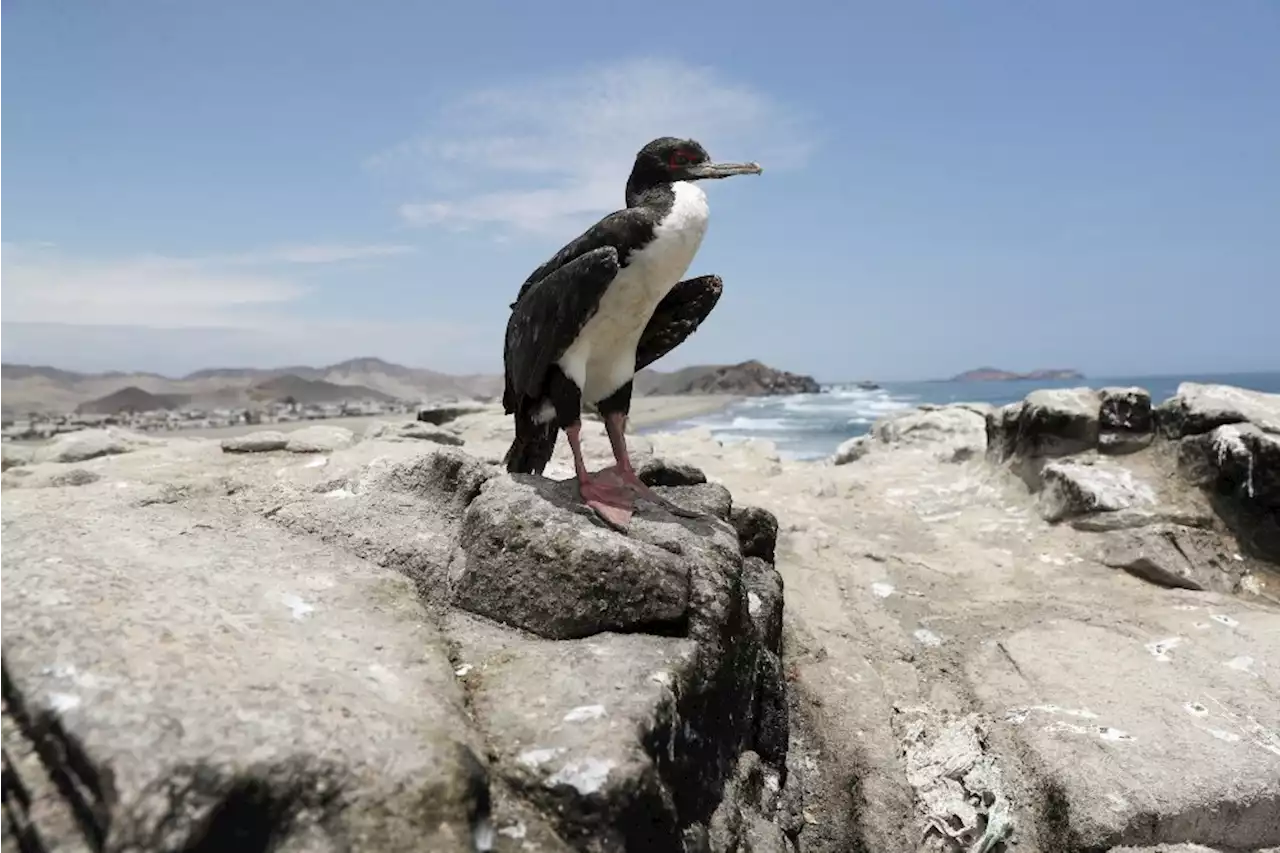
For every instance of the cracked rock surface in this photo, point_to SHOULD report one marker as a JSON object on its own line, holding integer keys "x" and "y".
{"x": 1053, "y": 626}
{"x": 330, "y": 644}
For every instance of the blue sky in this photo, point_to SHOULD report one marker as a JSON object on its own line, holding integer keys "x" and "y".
{"x": 946, "y": 185}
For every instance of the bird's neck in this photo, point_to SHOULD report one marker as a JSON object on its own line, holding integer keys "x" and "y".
{"x": 646, "y": 185}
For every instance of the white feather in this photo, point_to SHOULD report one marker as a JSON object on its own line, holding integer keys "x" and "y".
{"x": 603, "y": 359}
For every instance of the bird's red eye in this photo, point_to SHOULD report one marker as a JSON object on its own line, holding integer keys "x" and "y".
{"x": 681, "y": 158}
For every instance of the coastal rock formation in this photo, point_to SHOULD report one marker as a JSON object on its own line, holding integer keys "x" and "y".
{"x": 1026, "y": 644}
{"x": 417, "y": 650}
{"x": 748, "y": 379}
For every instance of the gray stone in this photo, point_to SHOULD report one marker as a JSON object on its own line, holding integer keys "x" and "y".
{"x": 13, "y": 455}
{"x": 1073, "y": 488}
{"x": 1125, "y": 410}
{"x": 530, "y": 556}
{"x": 1129, "y": 519}
{"x": 952, "y": 426}
{"x": 851, "y": 450}
{"x": 1239, "y": 466}
{"x": 204, "y": 678}
{"x": 320, "y": 438}
{"x": 668, "y": 472}
{"x": 1198, "y": 408}
{"x": 260, "y": 441}
{"x": 742, "y": 822}
{"x": 87, "y": 444}
{"x": 1162, "y": 733}
{"x": 1173, "y": 556}
{"x": 440, "y": 415}
{"x": 1046, "y": 425}
{"x": 412, "y": 431}
{"x": 757, "y": 531}
{"x": 1124, "y": 443}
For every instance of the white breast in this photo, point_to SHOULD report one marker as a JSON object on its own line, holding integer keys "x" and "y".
{"x": 603, "y": 358}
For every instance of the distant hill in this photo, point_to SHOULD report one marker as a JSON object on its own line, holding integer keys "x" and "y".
{"x": 312, "y": 391}
{"x": 38, "y": 388}
{"x": 995, "y": 374}
{"x": 132, "y": 399}
{"x": 35, "y": 388}
{"x": 749, "y": 378}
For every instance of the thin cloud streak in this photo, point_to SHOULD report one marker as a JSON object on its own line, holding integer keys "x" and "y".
{"x": 544, "y": 155}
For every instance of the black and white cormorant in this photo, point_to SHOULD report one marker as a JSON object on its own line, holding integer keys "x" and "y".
{"x": 605, "y": 306}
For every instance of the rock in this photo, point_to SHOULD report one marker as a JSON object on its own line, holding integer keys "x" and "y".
{"x": 851, "y": 450}
{"x": 87, "y": 444}
{"x": 749, "y": 378}
{"x": 261, "y": 441}
{"x": 1047, "y": 424}
{"x": 741, "y": 823}
{"x": 1239, "y": 465}
{"x": 1128, "y": 519}
{"x": 946, "y": 427}
{"x": 75, "y": 477}
{"x": 1123, "y": 443}
{"x": 13, "y": 455}
{"x": 665, "y": 472}
{"x": 1142, "y": 735}
{"x": 412, "y": 430}
{"x": 440, "y": 415}
{"x": 1199, "y": 408}
{"x": 1174, "y": 556}
{"x": 319, "y": 439}
{"x": 530, "y": 559}
{"x": 206, "y": 681}
{"x": 1125, "y": 410}
{"x": 1073, "y": 488}
{"x": 757, "y": 531}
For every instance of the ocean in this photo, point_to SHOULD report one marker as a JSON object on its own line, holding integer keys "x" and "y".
{"x": 812, "y": 426}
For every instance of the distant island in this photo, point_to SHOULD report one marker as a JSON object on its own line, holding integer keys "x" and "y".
{"x": 995, "y": 374}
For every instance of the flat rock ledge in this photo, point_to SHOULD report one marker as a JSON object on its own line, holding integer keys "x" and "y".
{"x": 398, "y": 647}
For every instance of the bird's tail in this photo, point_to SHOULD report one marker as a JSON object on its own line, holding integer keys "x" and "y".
{"x": 532, "y": 447}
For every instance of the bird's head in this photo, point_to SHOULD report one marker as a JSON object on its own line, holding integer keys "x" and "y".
{"x": 667, "y": 159}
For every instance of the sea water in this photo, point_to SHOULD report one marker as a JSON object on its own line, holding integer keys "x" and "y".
{"x": 812, "y": 426}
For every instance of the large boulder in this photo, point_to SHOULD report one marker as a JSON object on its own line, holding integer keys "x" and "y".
{"x": 1074, "y": 488}
{"x": 1046, "y": 425}
{"x": 1125, "y": 422}
{"x": 379, "y": 625}
{"x": 1175, "y": 556}
{"x": 1198, "y": 408}
{"x": 1239, "y": 466}
{"x": 202, "y": 680}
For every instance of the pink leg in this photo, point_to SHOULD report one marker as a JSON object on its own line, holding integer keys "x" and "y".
{"x": 615, "y": 424}
{"x": 611, "y": 502}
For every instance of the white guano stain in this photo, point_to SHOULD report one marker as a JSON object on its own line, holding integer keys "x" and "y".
{"x": 586, "y": 776}
{"x": 299, "y": 607}
{"x": 582, "y": 713}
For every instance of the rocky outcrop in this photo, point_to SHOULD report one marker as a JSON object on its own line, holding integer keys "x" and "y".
{"x": 748, "y": 379}
{"x": 401, "y": 648}
{"x": 1198, "y": 408}
{"x": 952, "y": 433}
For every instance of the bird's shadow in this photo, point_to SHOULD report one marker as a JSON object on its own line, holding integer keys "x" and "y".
{"x": 563, "y": 494}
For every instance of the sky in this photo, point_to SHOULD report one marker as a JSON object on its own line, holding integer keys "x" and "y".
{"x": 946, "y": 185}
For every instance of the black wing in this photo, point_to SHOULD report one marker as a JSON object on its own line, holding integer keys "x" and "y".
{"x": 548, "y": 317}
{"x": 677, "y": 316}
{"x": 624, "y": 230}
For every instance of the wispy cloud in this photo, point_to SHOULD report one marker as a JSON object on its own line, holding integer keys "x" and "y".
{"x": 161, "y": 312}
{"x": 321, "y": 253}
{"x": 241, "y": 290}
{"x": 542, "y": 155}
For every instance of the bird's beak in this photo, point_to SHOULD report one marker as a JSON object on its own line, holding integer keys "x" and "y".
{"x": 723, "y": 170}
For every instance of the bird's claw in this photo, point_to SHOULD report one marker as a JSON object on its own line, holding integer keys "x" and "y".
{"x": 630, "y": 481}
{"x": 609, "y": 499}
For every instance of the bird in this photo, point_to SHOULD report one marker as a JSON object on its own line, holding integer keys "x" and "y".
{"x": 609, "y": 303}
